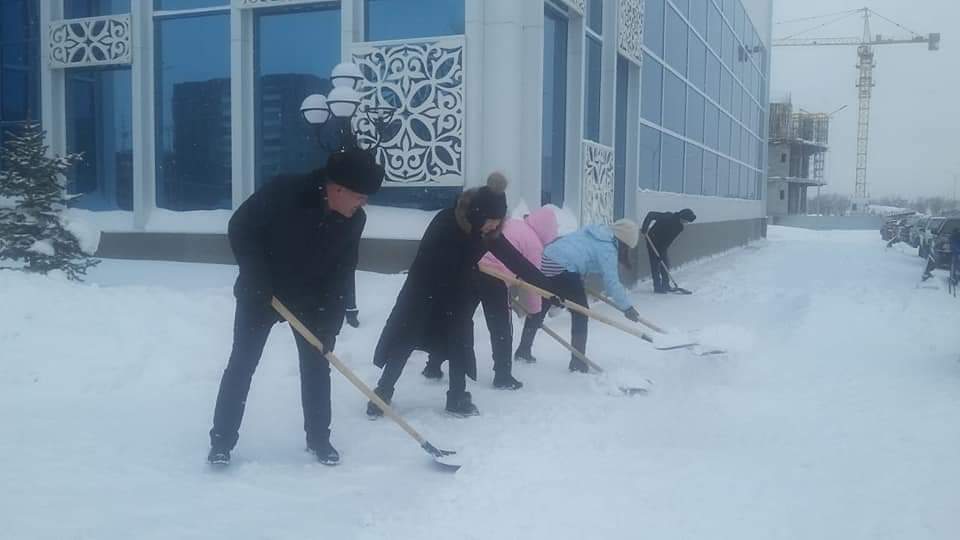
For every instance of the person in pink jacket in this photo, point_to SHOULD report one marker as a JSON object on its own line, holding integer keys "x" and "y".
{"x": 529, "y": 235}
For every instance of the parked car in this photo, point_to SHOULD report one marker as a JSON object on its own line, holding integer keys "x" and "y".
{"x": 891, "y": 226}
{"x": 927, "y": 233}
{"x": 940, "y": 244}
{"x": 907, "y": 229}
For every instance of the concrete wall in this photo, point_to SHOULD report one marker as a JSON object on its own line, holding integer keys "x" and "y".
{"x": 829, "y": 223}
{"x": 777, "y": 205}
{"x": 779, "y": 160}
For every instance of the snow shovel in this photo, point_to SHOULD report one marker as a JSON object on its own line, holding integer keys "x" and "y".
{"x": 665, "y": 337}
{"x": 444, "y": 458}
{"x": 676, "y": 288}
{"x": 573, "y": 306}
{"x": 628, "y": 390}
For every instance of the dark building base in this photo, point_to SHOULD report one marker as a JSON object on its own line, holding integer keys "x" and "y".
{"x": 391, "y": 256}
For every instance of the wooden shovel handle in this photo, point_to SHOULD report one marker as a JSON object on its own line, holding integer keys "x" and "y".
{"x": 344, "y": 370}
{"x": 648, "y": 323}
{"x": 573, "y": 306}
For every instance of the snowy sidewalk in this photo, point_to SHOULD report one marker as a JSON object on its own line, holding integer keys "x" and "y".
{"x": 833, "y": 417}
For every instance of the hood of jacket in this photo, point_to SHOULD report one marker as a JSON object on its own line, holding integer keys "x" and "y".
{"x": 543, "y": 221}
{"x": 461, "y": 212}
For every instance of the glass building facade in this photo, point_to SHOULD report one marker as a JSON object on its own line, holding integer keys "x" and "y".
{"x": 703, "y": 100}
{"x": 203, "y": 107}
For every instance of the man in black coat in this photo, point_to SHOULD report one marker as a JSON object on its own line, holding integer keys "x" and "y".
{"x": 297, "y": 239}
{"x": 666, "y": 227}
{"x": 434, "y": 310}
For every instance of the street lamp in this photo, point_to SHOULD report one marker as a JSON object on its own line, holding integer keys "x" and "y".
{"x": 341, "y": 105}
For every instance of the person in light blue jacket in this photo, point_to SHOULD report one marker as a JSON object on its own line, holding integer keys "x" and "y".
{"x": 595, "y": 249}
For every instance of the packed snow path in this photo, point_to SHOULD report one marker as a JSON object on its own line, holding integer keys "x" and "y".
{"x": 834, "y": 416}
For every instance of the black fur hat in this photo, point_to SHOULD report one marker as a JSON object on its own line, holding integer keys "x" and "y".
{"x": 356, "y": 170}
{"x": 490, "y": 201}
{"x": 687, "y": 215}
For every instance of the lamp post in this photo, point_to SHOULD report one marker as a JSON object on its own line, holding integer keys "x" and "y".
{"x": 341, "y": 106}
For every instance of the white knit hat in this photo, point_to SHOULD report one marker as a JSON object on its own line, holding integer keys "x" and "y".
{"x": 627, "y": 231}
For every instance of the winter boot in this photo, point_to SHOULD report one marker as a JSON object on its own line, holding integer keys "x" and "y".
{"x": 503, "y": 380}
{"x": 525, "y": 355}
{"x": 432, "y": 371}
{"x": 374, "y": 412}
{"x": 219, "y": 458}
{"x": 460, "y": 404}
{"x": 326, "y": 453}
{"x": 578, "y": 365}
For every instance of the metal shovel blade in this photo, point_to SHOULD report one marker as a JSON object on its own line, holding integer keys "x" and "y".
{"x": 446, "y": 459}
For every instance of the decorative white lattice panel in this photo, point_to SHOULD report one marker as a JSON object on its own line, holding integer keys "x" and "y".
{"x": 423, "y": 81}
{"x": 596, "y": 193}
{"x": 92, "y": 41}
{"x": 267, "y": 3}
{"x": 630, "y": 34}
{"x": 577, "y": 5}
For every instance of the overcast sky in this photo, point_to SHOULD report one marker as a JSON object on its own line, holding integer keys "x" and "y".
{"x": 915, "y": 116}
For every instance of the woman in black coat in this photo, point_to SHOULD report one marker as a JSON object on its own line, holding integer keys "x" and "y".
{"x": 434, "y": 310}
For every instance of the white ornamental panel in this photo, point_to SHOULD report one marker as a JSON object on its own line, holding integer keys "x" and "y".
{"x": 423, "y": 82}
{"x": 596, "y": 193}
{"x": 267, "y": 3}
{"x": 577, "y": 5}
{"x": 92, "y": 41}
{"x": 630, "y": 34}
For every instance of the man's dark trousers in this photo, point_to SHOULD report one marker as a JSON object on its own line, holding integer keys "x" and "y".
{"x": 658, "y": 272}
{"x": 251, "y": 328}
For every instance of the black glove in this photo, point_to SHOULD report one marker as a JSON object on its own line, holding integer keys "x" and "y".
{"x": 632, "y": 314}
{"x": 352, "y": 317}
{"x": 554, "y": 301}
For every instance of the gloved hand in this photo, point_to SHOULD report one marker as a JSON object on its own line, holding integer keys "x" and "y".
{"x": 352, "y": 317}
{"x": 632, "y": 314}
{"x": 555, "y": 301}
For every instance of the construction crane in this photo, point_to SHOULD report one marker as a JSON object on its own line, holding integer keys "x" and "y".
{"x": 865, "y": 83}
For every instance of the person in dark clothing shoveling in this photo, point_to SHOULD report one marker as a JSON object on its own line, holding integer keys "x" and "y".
{"x": 434, "y": 310}
{"x": 295, "y": 239}
{"x": 665, "y": 229}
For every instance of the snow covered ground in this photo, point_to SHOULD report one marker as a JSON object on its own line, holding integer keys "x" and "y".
{"x": 834, "y": 416}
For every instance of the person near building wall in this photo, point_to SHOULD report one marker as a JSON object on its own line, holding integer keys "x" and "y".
{"x": 595, "y": 249}
{"x": 529, "y": 235}
{"x": 660, "y": 230}
{"x": 435, "y": 307}
{"x": 296, "y": 239}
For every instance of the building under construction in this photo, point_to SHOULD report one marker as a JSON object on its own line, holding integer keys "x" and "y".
{"x": 798, "y": 146}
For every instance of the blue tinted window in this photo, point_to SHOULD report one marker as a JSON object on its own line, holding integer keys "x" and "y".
{"x": 726, "y": 90}
{"x": 674, "y": 98}
{"x": 172, "y": 5}
{"x": 745, "y": 181}
{"x": 99, "y": 124}
{"x": 738, "y": 17}
{"x": 193, "y": 112}
{"x": 723, "y": 177}
{"x": 671, "y": 176}
{"x": 651, "y": 90}
{"x": 285, "y": 142}
{"x": 714, "y": 27}
{"x": 620, "y": 146}
{"x": 693, "y": 170}
{"x": 74, "y": 9}
{"x": 401, "y": 19}
{"x": 683, "y": 6}
{"x": 735, "y": 140}
{"x": 694, "y": 115}
{"x": 595, "y": 15}
{"x": 709, "y": 174}
{"x": 736, "y": 101}
{"x": 653, "y": 26}
{"x": 696, "y": 71}
{"x": 591, "y": 109}
{"x": 698, "y": 16}
{"x": 19, "y": 63}
{"x": 553, "y": 168}
{"x": 649, "y": 158}
{"x": 729, "y": 47}
{"x": 676, "y": 42}
{"x": 713, "y": 77}
{"x": 734, "y": 190}
{"x": 724, "y": 136}
{"x": 711, "y": 125}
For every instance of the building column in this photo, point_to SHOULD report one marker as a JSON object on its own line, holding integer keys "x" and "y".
{"x": 242, "y": 132}
{"x": 143, "y": 127}
{"x": 52, "y": 90}
{"x": 504, "y": 134}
